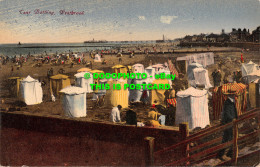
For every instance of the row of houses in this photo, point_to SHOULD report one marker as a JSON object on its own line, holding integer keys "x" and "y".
{"x": 236, "y": 35}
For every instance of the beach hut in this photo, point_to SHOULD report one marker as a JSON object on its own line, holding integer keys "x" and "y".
{"x": 74, "y": 101}
{"x": 157, "y": 67}
{"x": 116, "y": 97}
{"x": 200, "y": 77}
{"x": 205, "y": 59}
{"x": 157, "y": 95}
{"x": 81, "y": 81}
{"x": 150, "y": 71}
{"x": 138, "y": 68}
{"x": 119, "y": 69}
{"x": 97, "y": 58}
{"x": 192, "y": 107}
{"x": 58, "y": 82}
{"x": 135, "y": 94}
{"x": 14, "y": 85}
{"x": 96, "y": 81}
{"x": 31, "y": 91}
{"x": 167, "y": 72}
{"x": 83, "y": 70}
{"x": 219, "y": 98}
{"x": 249, "y": 68}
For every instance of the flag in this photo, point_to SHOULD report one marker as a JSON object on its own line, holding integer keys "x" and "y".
{"x": 173, "y": 69}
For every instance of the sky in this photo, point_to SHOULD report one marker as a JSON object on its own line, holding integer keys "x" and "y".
{"x": 115, "y": 20}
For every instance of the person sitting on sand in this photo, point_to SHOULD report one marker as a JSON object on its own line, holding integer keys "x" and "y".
{"x": 153, "y": 114}
{"x": 115, "y": 114}
{"x": 131, "y": 117}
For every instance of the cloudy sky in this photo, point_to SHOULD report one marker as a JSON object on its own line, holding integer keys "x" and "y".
{"x": 122, "y": 19}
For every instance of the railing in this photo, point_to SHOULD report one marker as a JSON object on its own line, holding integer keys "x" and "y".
{"x": 208, "y": 148}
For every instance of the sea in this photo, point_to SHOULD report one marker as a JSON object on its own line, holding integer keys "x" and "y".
{"x": 47, "y": 48}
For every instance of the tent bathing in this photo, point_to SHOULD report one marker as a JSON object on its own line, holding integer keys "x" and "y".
{"x": 58, "y": 82}
{"x": 157, "y": 95}
{"x": 97, "y": 58}
{"x": 150, "y": 71}
{"x": 115, "y": 97}
{"x": 14, "y": 85}
{"x": 119, "y": 69}
{"x": 81, "y": 81}
{"x": 136, "y": 94}
{"x": 249, "y": 68}
{"x": 219, "y": 98}
{"x": 205, "y": 59}
{"x": 138, "y": 68}
{"x": 198, "y": 75}
{"x": 74, "y": 101}
{"x": 31, "y": 91}
{"x": 192, "y": 107}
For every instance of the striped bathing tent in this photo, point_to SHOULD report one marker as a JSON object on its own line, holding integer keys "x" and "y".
{"x": 172, "y": 102}
{"x": 219, "y": 98}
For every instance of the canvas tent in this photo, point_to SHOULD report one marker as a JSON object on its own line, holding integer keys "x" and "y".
{"x": 158, "y": 94}
{"x": 249, "y": 68}
{"x": 150, "y": 74}
{"x": 138, "y": 68}
{"x": 97, "y": 58}
{"x": 204, "y": 59}
{"x": 31, "y": 91}
{"x": 81, "y": 81}
{"x": 157, "y": 67}
{"x": 135, "y": 94}
{"x": 116, "y": 97}
{"x": 14, "y": 85}
{"x": 83, "y": 70}
{"x": 96, "y": 81}
{"x": 58, "y": 82}
{"x": 119, "y": 69}
{"x": 192, "y": 107}
{"x": 190, "y": 72}
{"x": 198, "y": 75}
{"x": 219, "y": 98}
{"x": 74, "y": 101}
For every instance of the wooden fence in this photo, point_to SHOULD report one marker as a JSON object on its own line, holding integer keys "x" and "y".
{"x": 208, "y": 142}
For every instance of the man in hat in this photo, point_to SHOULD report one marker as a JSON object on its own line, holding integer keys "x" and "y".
{"x": 115, "y": 114}
{"x": 216, "y": 77}
{"x": 131, "y": 117}
{"x": 228, "y": 114}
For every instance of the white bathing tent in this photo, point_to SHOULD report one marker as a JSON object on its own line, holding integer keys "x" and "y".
{"x": 249, "y": 68}
{"x": 150, "y": 71}
{"x": 166, "y": 72}
{"x": 200, "y": 76}
{"x": 138, "y": 68}
{"x": 157, "y": 67}
{"x": 135, "y": 94}
{"x": 97, "y": 58}
{"x": 31, "y": 91}
{"x": 74, "y": 101}
{"x": 190, "y": 70}
{"x": 205, "y": 59}
{"x": 81, "y": 81}
{"x": 192, "y": 107}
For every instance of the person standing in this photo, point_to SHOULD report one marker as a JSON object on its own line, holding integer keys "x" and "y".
{"x": 115, "y": 114}
{"x": 228, "y": 114}
{"x": 216, "y": 75}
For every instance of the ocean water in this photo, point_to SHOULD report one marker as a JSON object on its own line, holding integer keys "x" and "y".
{"x": 43, "y": 48}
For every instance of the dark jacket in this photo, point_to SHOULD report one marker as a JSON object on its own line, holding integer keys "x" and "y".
{"x": 131, "y": 117}
{"x": 229, "y": 112}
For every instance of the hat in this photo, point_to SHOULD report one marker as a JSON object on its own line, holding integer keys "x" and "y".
{"x": 153, "y": 106}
